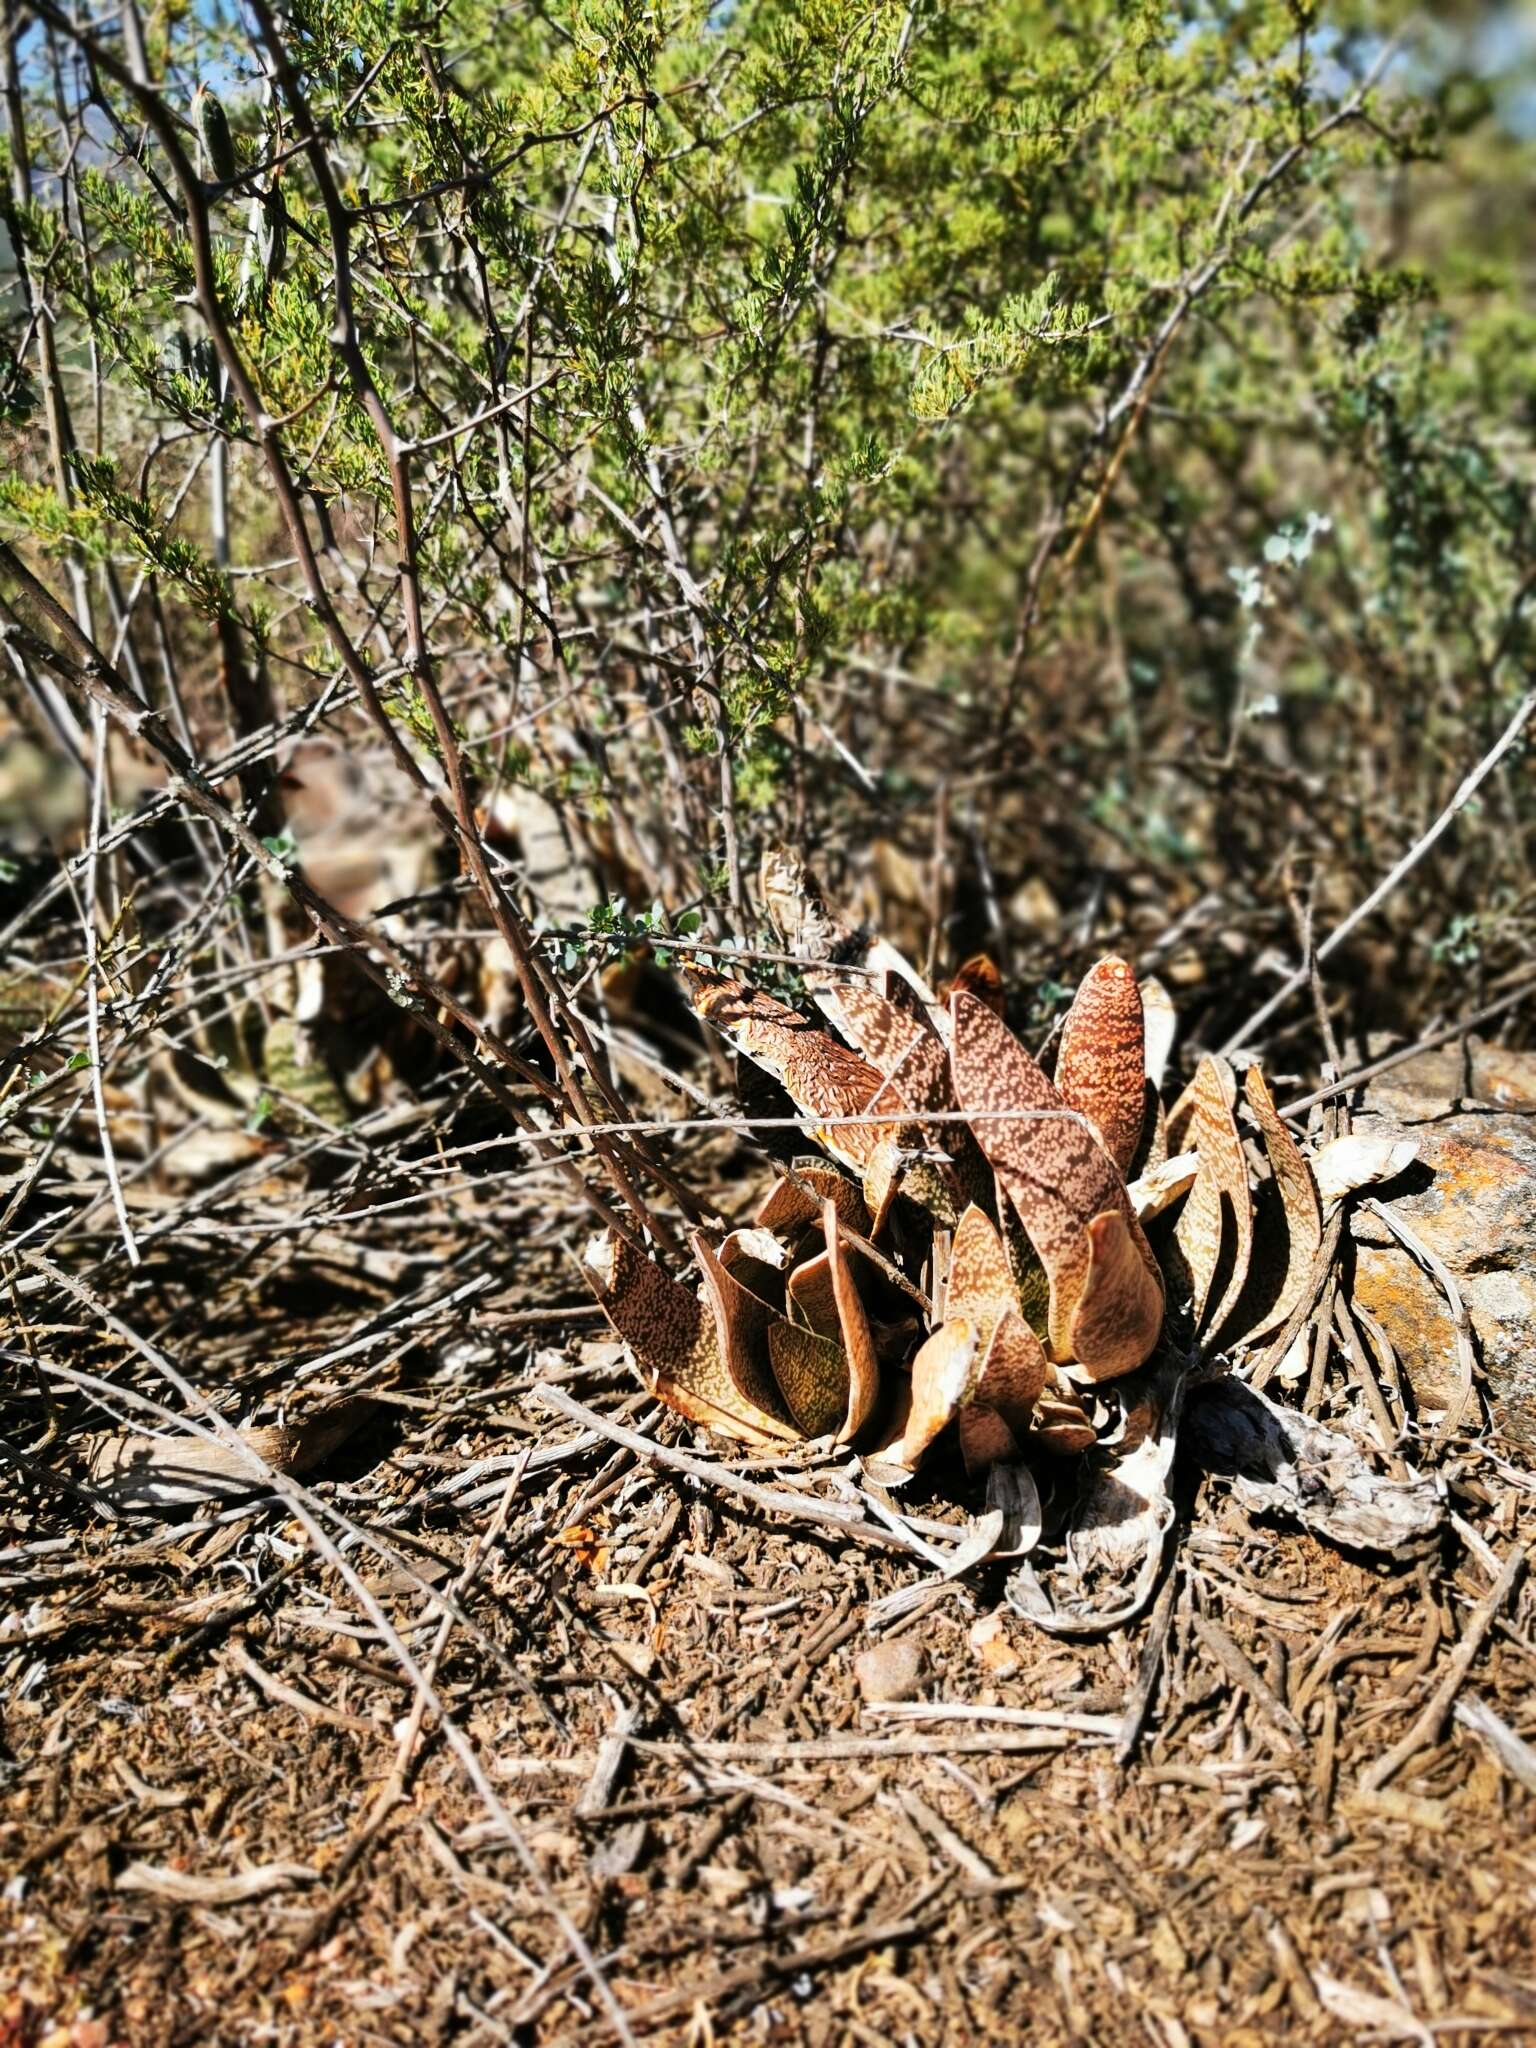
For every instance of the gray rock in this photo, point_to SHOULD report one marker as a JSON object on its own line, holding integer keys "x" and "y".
{"x": 1471, "y": 1198}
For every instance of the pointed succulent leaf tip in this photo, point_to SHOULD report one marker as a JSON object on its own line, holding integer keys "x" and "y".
{"x": 742, "y": 1319}
{"x": 1014, "y": 1370}
{"x": 1295, "y": 1194}
{"x": 979, "y": 977}
{"x": 1100, "y": 1063}
{"x": 943, "y": 1376}
{"x": 1052, "y": 1167}
{"x": 812, "y": 1376}
{"x": 1215, "y": 1227}
{"x": 821, "y": 1077}
{"x": 674, "y": 1342}
{"x": 1119, "y": 1318}
{"x": 980, "y": 1283}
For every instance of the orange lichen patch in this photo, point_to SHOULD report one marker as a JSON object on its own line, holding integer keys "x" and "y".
{"x": 1296, "y": 1198}
{"x": 742, "y": 1321}
{"x": 1100, "y": 1064}
{"x": 1014, "y": 1369}
{"x": 853, "y": 1326}
{"x": 979, "y": 977}
{"x": 1118, "y": 1320}
{"x": 675, "y": 1343}
{"x": 1215, "y": 1227}
{"x": 943, "y": 1376}
{"x": 821, "y": 1077}
{"x": 795, "y": 1199}
{"x": 1054, "y": 1170}
{"x": 812, "y": 1376}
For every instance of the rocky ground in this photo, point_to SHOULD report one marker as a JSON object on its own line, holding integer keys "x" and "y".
{"x": 742, "y": 1777}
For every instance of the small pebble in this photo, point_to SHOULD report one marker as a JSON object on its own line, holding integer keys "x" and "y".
{"x": 890, "y": 1671}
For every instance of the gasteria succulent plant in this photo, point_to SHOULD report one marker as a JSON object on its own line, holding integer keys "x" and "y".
{"x": 970, "y": 1247}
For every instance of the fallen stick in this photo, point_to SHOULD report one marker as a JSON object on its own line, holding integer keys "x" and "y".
{"x": 1429, "y": 1724}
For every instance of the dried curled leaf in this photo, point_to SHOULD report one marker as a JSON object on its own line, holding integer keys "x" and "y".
{"x": 1100, "y": 1063}
{"x": 1059, "y": 1178}
{"x": 178, "y": 1471}
{"x": 1215, "y": 1226}
{"x": 1280, "y": 1460}
{"x": 863, "y": 1363}
{"x": 1276, "y": 1283}
{"x": 1160, "y": 1029}
{"x": 675, "y": 1343}
{"x": 1355, "y": 1162}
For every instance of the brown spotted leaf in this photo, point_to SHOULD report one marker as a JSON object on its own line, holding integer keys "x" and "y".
{"x": 1100, "y": 1063}
{"x": 1055, "y": 1172}
{"x": 1061, "y": 1422}
{"x": 821, "y": 1077}
{"x": 985, "y": 1438}
{"x": 675, "y": 1344}
{"x": 979, "y": 977}
{"x": 742, "y": 1321}
{"x": 1214, "y": 1230}
{"x": 1014, "y": 1370}
{"x": 812, "y": 1376}
{"x": 796, "y": 1197}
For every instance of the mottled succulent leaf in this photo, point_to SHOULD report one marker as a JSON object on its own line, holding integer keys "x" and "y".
{"x": 1061, "y": 1421}
{"x": 985, "y": 1438}
{"x": 858, "y": 1341}
{"x": 821, "y": 1077}
{"x": 812, "y": 1377}
{"x": 943, "y": 1377}
{"x": 742, "y": 1321}
{"x": 675, "y": 1344}
{"x": 1014, "y": 1369}
{"x": 1119, "y": 1316}
{"x": 796, "y": 1197}
{"x": 979, "y": 977}
{"x": 1100, "y": 1062}
{"x": 1051, "y": 1165}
